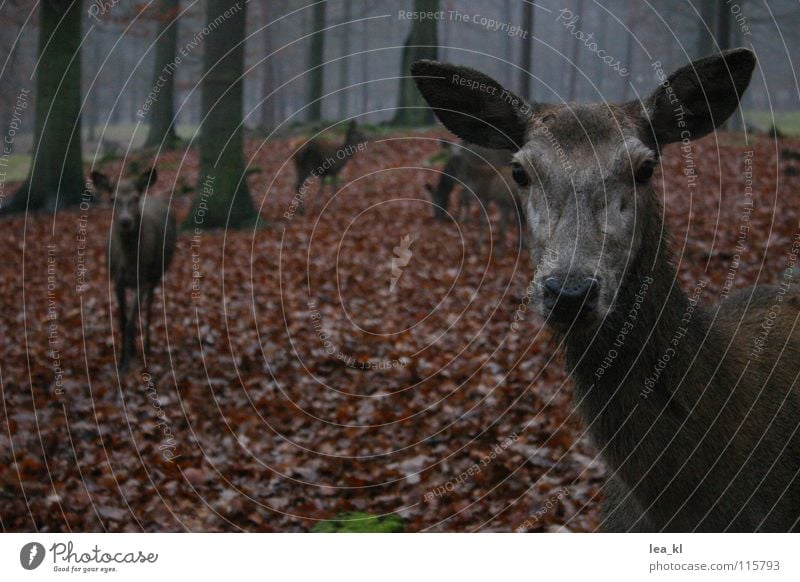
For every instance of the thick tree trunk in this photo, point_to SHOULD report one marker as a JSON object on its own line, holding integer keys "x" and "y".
{"x": 316, "y": 69}
{"x": 162, "y": 110}
{"x": 56, "y": 176}
{"x": 421, "y": 43}
{"x": 223, "y": 199}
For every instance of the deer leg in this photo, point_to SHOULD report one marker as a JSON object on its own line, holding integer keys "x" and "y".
{"x": 298, "y": 187}
{"x": 148, "y": 308}
{"x": 129, "y": 337}
{"x": 120, "y": 289}
{"x": 464, "y": 209}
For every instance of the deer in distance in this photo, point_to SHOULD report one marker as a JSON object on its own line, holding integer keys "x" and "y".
{"x": 141, "y": 246}
{"x": 695, "y": 410}
{"x": 322, "y": 159}
{"x": 484, "y": 175}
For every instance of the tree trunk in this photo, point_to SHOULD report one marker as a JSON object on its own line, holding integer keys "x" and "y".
{"x": 56, "y": 176}
{"x": 576, "y": 56}
{"x": 365, "y": 64}
{"x": 344, "y": 63}
{"x": 421, "y": 43}
{"x": 724, "y": 41}
{"x": 223, "y": 199}
{"x": 316, "y": 69}
{"x": 723, "y": 32}
{"x": 705, "y": 28}
{"x": 268, "y": 83}
{"x": 162, "y": 118}
{"x": 509, "y": 41}
{"x": 630, "y": 25}
{"x": 526, "y": 61}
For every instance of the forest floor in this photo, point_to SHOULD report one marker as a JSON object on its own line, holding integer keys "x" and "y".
{"x": 296, "y": 378}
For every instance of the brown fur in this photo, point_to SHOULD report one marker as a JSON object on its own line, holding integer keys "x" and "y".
{"x": 708, "y": 440}
{"x": 141, "y": 246}
{"x": 485, "y": 175}
{"x": 321, "y": 159}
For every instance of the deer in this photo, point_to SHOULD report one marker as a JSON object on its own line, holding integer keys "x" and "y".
{"x": 101, "y": 186}
{"x": 140, "y": 250}
{"x": 321, "y": 159}
{"x": 694, "y": 409}
{"x": 484, "y": 175}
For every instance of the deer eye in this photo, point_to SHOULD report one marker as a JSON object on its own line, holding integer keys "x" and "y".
{"x": 520, "y": 176}
{"x": 644, "y": 172}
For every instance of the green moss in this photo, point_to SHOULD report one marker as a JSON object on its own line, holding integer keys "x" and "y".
{"x": 17, "y": 167}
{"x": 359, "y": 522}
{"x": 788, "y": 122}
{"x": 439, "y": 157}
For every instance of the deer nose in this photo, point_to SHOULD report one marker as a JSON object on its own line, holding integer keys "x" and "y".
{"x": 569, "y": 300}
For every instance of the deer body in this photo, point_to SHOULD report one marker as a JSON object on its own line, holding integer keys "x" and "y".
{"x": 695, "y": 410}
{"x": 688, "y": 448}
{"x": 485, "y": 176}
{"x": 321, "y": 159}
{"x": 141, "y": 247}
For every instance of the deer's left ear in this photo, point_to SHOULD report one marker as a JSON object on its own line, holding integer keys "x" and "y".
{"x": 472, "y": 105}
{"x": 146, "y": 179}
{"x": 101, "y": 182}
{"x": 698, "y": 97}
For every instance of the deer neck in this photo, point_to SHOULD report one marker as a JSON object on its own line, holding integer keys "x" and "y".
{"x": 639, "y": 378}
{"x": 129, "y": 242}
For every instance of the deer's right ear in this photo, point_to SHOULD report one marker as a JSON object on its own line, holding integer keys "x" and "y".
{"x": 146, "y": 179}
{"x": 472, "y": 105}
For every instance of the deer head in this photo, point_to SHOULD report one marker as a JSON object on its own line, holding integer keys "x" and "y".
{"x": 584, "y": 170}
{"x": 127, "y": 197}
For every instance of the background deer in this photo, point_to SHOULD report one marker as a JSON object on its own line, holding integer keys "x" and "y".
{"x": 695, "y": 410}
{"x": 321, "y": 159}
{"x": 140, "y": 250}
{"x": 485, "y": 175}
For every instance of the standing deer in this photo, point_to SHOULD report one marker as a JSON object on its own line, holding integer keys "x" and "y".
{"x": 695, "y": 410}
{"x": 320, "y": 159}
{"x": 140, "y": 250}
{"x": 484, "y": 175}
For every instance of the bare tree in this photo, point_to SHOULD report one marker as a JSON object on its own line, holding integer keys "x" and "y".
{"x": 527, "y": 52}
{"x": 56, "y": 175}
{"x": 706, "y": 24}
{"x": 223, "y": 199}
{"x": 162, "y": 123}
{"x": 576, "y": 55}
{"x": 268, "y": 80}
{"x": 421, "y": 43}
{"x": 315, "y": 65}
{"x": 344, "y": 63}
{"x": 631, "y": 25}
